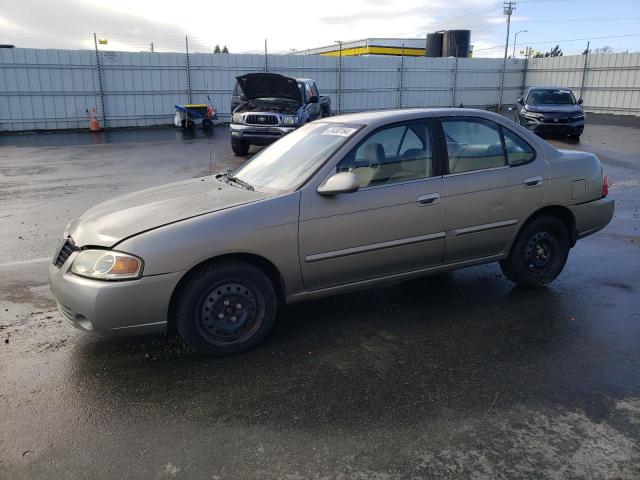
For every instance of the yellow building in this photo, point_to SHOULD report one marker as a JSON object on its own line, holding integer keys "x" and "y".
{"x": 409, "y": 47}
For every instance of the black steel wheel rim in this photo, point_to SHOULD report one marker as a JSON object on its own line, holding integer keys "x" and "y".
{"x": 541, "y": 253}
{"x": 229, "y": 313}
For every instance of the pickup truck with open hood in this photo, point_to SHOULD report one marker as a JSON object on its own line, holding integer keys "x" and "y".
{"x": 267, "y": 106}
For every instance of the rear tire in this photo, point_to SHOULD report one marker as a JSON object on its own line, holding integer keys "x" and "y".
{"x": 239, "y": 147}
{"x": 539, "y": 253}
{"x": 226, "y": 308}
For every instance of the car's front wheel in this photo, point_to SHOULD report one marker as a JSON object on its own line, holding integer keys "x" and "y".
{"x": 539, "y": 253}
{"x": 226, "y": 308}
{"x": 239, "y": 147}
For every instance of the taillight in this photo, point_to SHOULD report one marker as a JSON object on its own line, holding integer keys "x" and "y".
{"x": 605, "y": 185}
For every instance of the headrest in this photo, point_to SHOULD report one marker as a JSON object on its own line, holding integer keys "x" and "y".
{"x": 373, "y": 154}
{"x": 414, "y": 160}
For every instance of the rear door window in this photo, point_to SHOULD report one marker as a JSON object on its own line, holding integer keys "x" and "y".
{"x": 519, "y": 152}
{"x": 472, "y": 144}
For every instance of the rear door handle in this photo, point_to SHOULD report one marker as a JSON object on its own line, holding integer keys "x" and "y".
{"x": 532, "y": 182}
{"x": 431, "y": 199}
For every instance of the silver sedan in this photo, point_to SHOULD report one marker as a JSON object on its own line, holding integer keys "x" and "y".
{"x": 343, "y": 203}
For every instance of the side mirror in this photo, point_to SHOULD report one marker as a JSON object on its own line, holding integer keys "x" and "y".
{"x": 343, "y": 182}
{"x": 520, "y": 101}
{"x": 313, "y": 99}
{"x": 579, "y": 101}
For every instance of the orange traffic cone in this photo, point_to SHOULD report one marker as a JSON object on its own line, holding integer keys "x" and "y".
{"x": 94, "y": 125}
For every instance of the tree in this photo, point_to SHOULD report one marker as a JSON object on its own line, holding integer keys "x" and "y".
{"x": 554, "y": 52}
{"x": 225, "y": 49}
{"x": 216, "y": 49}
{"x": 605, "y": 49}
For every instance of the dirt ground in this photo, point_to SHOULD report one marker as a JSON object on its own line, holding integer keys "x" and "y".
{"x": 455, "y": 376}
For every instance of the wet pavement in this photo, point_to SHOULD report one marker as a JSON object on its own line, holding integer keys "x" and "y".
{"x": 459, "y": 375}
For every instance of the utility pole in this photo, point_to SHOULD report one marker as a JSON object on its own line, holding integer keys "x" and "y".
{"x": 508, "y": 8}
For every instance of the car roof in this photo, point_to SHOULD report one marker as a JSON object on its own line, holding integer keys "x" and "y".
{"x": 548, "y": 87}
{"x": 391, "y": 116}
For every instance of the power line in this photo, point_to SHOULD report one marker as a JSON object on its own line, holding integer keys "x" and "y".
{"x": 495, "y": 47}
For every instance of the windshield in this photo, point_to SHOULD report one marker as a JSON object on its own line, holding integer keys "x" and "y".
{"x": 289, "y": 162}
{"x": 551, "y": 97}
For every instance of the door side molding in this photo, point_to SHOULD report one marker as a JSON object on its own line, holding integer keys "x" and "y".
{"x": 481, "y": 228}
{"x": 316, "y": 257}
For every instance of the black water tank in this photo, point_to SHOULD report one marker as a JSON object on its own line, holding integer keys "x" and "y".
{"x": 456, "y": 43}
{"x": 434, "y": 44}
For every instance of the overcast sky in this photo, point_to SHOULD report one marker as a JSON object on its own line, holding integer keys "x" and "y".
{"x": 287, "y": 24}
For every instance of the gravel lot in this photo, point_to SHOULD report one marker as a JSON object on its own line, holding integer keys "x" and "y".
{"x": 454, "y": 376}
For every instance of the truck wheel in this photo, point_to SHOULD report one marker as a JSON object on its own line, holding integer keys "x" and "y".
{"x": 207, "y": 124}
{"x": 239, "y": 147}
{"x": 226, "y": 308}
{"x": 538, "y": 254}
{"x": 188, "y": 124}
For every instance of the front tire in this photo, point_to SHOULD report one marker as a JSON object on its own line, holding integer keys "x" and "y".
{"x": 539, "y": 253}
{"x": 226, "y": 308}
{"x": 239, "y": 147}
{"x": 575, "y": 138}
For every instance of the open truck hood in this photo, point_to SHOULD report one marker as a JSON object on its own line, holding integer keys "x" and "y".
{"x": 269, "y": 85}
{"x": 110, "y": 222}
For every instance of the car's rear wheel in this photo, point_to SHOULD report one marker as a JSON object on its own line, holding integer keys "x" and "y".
{"x": 239, "y": 147}
{"x": 226, "y": 308}
{"x": 539, "y": 253}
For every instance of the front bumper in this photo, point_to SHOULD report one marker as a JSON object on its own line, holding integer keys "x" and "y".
{"x": 592, "y": 216}
{"x": 549, "y": 126}
{"x": 131, "y": 307}
{"x": 259, "y": 135}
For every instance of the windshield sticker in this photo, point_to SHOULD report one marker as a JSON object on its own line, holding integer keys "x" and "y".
{"x": 339, "y": 131}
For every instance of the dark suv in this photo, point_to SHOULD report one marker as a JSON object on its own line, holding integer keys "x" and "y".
{"x": 267, "y": 106}
{"x": 551, "y": 111}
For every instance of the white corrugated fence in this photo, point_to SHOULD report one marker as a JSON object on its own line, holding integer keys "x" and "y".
{"x": 53, "y": 89}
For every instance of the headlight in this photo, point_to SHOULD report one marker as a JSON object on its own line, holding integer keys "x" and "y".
{"x": 533, "y": 116}
{"x": 237, "y": 118}
{"x": 578, "y": 117}
{"x": 289, "y": 120}
{"x": 106, "y": 265}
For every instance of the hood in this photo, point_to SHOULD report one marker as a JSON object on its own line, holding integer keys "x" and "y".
{"x": 269, "y": 85}
{"x": 570, "y": 108}
{"x": 110, "y": 222}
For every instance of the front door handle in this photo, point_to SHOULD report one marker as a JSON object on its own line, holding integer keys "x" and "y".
{"x": 532, "y": 182}
{"x": 431, "y": 199}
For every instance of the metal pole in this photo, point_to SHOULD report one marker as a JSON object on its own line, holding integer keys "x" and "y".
{"x": 266, "y": 57}
{"x": 526, "y": 67}
{"x": 339, "y": 77}
{"x": 454, "y": 78}
{"x": 401, "y": 77}
{"x": 186, "y": 43}
{"x": 99, "y": 73}
{"x": 584, "y": 70}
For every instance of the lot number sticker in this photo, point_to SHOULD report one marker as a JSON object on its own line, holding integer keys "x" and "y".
{"x": 339, "y": 131}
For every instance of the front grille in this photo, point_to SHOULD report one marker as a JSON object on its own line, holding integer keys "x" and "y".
{"x": 67, "y": 249}
{"x": 261, "y": 120}
{"x": 553, "y": 120}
